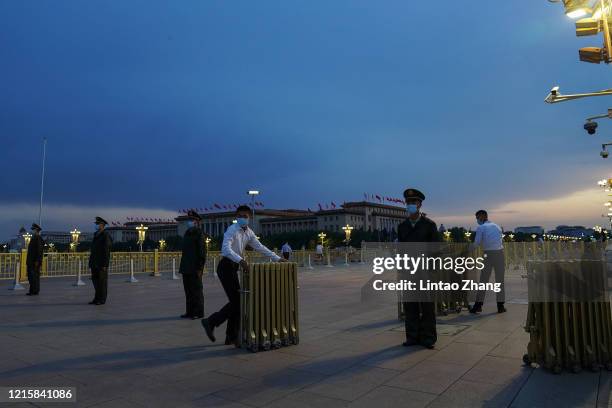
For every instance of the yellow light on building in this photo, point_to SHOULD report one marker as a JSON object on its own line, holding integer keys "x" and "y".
{"x": 322, "y": 236}
{"x": 207, "y": 242}
{"x": 162, "y": 244}
{"x": 74, "y": 234}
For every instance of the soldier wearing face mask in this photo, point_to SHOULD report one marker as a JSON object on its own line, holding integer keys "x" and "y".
{"x": 420, "y": 316}
{"x": 193, "y": 258}
{"x": 235, "y": 240}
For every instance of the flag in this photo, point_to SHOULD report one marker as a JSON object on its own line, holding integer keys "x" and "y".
{"x": 309, "y": 210}
{"x": 320, "y": 207}
{"x": 365, "y": 196}
{"x": 333, "y": 204}
{"x": 326, "y": 207}
{"x": 377, "y": 197}
{"x": 217, "y": 206}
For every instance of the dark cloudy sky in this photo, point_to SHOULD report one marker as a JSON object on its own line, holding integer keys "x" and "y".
{"x": 151, "y": 106}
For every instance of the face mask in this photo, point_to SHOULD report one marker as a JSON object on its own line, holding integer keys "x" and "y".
{"x": 243, "y": 222}
{"x": 411, "y": 208}
{"x": 480, "y": 222}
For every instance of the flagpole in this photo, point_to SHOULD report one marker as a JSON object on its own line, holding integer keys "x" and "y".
{"x": 42, "y": 181}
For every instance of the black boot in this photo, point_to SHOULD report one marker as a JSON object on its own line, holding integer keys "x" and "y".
{"x": 477, "y": 308}
{"x": 500, "y": 307}
{"x": 209, "y": 329}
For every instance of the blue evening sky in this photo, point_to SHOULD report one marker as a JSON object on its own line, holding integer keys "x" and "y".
{"x": 152, "y": 106}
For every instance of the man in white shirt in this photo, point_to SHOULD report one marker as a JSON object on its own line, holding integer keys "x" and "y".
{"x": 235, "y": 240}
{"x": 286, "y": 250}
{"x": 489, "y": 236}
{"x": 319, "y": 252}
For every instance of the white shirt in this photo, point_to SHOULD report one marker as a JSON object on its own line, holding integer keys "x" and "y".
{"x": 286, "y": 248}
{"x": 319, "y": 249}
{"x": 235, "y": 241}
{"x": 489, "y": 236}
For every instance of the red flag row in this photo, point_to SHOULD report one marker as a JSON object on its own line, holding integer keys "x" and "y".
{"x": 216, "y": 206}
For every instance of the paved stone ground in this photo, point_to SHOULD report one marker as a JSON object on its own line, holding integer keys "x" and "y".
{"x": 135, "y": 352}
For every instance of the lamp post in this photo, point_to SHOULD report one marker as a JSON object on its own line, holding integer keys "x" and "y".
{"x": 467, "y": 235}
{"x": 162, "y": 244}
{"x": 26, "y": 238}
{"x": 322, "y": 236}
{"x": 253, "y": 194}
{"x": 142, "y": 231}
{"x": 75, "y": 239}
{"x": 447, "y": 236}
{"x": 207, "y": 242}
{"x": 347, "y": 232}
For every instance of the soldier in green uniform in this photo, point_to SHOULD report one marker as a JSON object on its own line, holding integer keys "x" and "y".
{"x": 99, "y": 259}
{"x": 420, "y": 317}
{"x": 34, "y": 260}
{"x": 193, "y": 259}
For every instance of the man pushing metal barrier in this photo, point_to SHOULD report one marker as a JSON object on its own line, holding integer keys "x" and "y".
{"x": 268, "y": 306}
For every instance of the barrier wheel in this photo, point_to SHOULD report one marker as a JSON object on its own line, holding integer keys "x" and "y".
{"x": 557, "y": 369}
{"x": 296, "y": 340}
{"x": 526, "y": 359}
{"x": 267, "y": 346}
{"x": 253, "y": 348}
{"x": 576, "y": 368}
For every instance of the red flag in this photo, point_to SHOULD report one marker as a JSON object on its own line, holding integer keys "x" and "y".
{"x": 333, "y": 204}
{"x": 217, "y": 206}
{"x": 320, "y": 207}
{"x": 377, "y": 197}
{"x": 309, "y": 210}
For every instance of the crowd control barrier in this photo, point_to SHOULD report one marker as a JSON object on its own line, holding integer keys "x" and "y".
{"x": 269, "y": 306}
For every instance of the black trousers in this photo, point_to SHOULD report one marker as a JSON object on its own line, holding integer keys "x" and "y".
{"x": 99, "y": 277}
{"x": 34, "y": 279}
{"x": 194, "y": 294}
{"x": 420, "y": 322}
{"x": 227, "y": 271}
{"x": 494, "y": 260}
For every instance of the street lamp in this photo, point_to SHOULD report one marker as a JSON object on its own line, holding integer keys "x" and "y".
{"x": 207, "y": 242}
{"x": 162, "y": 244}
{"x": 577, "y": 8}
{"x": 142, "y": 231}
{"x": 253, "y": 194}
{"x": 26, "y": 238}
{"x": 322, "y": 236}
{"x": 347, "y": 231}
{"x": 75, "y": 239}
{"x": 468, "y": 234}
{"x": 447, "y": 235}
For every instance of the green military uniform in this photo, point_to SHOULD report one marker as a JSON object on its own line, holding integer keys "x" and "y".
{"x": 420, "y": 317}
{"x": 99, "y": 259}
{"x": 34, "y": 260}
{"x": 193, "y": 259}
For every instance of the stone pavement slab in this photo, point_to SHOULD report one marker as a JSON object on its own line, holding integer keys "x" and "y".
{"x": 135, "y": 351}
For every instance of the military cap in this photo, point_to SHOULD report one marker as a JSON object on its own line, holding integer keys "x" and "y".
{"x": 100, "y": 220}
{"x": 35, "y": 226}
{"x": 411, "y": 193}
{"x": 194, "y": 215}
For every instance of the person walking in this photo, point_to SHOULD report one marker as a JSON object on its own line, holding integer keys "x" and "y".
{"x": 489, "y": 236}
{"x": 235, "y": 240}
{"x": 193, "y": 259}
{"x": 420, "y": 317}
{"x": 34, "y": 260}
{"x": 99, "y": 259}
{"x": 286, "y": 250}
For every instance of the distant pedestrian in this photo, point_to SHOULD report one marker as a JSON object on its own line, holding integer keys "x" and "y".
{"x": 286, "y": 250}
{"x": 235, "y": 240}
{"x": 34, "y": 260}
{"x": 193, "y": 259}
{"x": 99, "y": 259}
{"x": 489, "y": 236}
{"x": 319, "y": 252}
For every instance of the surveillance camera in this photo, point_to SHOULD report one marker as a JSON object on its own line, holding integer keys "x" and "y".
{"x": 604, "y": 154}
{"x": 590, "y": 127}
